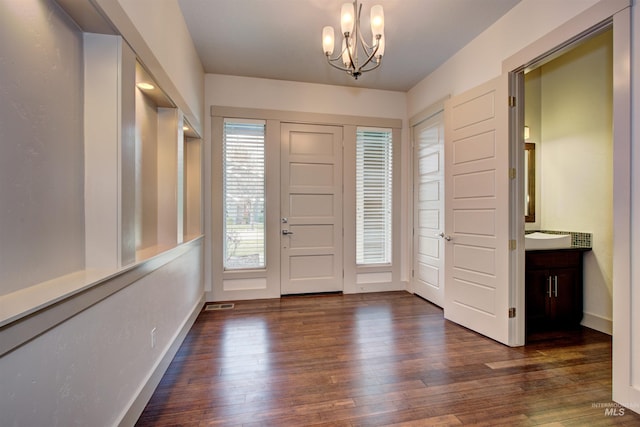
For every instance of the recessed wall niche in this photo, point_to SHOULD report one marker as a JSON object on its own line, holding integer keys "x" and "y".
{"x": 192, "y": 195}
{"x": 167, "y": 182}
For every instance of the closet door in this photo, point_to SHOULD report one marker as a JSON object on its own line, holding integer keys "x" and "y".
{"x": 428, "y": 209}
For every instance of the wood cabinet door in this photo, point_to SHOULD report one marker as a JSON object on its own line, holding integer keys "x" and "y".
{"x": 565, "y": 297}
{"x": 537, "y": 300}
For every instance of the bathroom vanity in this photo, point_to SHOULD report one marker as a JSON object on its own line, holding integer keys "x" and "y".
{"x": 553, "y": 283}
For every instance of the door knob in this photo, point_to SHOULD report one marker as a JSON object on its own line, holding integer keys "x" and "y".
{"x": 445, "y": 236}
{"x": 287, "y": 232}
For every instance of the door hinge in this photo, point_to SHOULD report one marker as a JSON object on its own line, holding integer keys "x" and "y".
{"x": 512, "y": 173}
{"x": 513, "y": 245}
{"x": 512, "y": 312}
{"x": 512, "y": 101}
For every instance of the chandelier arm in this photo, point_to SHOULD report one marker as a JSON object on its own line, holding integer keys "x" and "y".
{"x": 352, "y": 62}
{"x": 338, "y": 56}
{"x": 369, "y": 58}
{"x": 359, "y": 33}
{"x": 330, "y": 61}
{"x": 372, "y": 68}
{"x": 364, "y": 43}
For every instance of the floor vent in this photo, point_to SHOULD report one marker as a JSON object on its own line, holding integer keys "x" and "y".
{"x": 212, "y": 307}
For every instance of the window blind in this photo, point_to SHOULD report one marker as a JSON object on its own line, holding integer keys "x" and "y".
{"x": 244, "y": 194}
{"x": 373, "y": 196}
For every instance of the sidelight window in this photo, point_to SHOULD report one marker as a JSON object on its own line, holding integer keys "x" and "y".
{"x": 373, "y": 196}
{"x": 244, "y": 194}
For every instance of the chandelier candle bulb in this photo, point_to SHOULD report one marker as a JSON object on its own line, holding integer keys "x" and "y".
{"x": 347, "y": 18}
{"x": 377, "y": 20}
{"x": 328, "y": 40}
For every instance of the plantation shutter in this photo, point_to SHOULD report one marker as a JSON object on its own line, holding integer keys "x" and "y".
{"x": 244, "y": 194}
{"x": 373, "y": 196}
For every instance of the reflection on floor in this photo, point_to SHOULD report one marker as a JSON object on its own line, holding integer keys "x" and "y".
{"x": 377, "y": 359}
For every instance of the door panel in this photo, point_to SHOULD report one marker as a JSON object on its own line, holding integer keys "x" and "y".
{"x": 311, "y": 209}
{"x": 477, "y": 209}
{"x": 428, "y": 214}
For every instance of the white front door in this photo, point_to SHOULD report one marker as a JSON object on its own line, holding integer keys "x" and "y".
{"x": 428, "y": 209}
{"x": 477, "y": 209}
{"x": 311, "y": 209}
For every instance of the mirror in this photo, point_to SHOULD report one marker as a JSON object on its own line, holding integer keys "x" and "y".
{"x": 529, "y": 182}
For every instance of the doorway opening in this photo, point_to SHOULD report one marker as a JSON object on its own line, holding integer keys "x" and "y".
{"x": 568, "y": 117}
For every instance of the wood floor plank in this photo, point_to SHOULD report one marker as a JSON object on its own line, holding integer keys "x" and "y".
{"x": 385, "y": 359}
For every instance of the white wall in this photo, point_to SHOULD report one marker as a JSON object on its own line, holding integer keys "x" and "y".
{"x": 41, "y": 154}
{"x": 244, "y": 92}
{"x": 576, "y": 163}
{"x": 481, "y": 60}
{"x": 88, "y": 370}
{"x": 76, "y": 351}
{"x": 156, "y": 31}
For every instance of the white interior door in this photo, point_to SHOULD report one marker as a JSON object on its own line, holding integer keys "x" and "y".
{"x": 428, "y": 209}
{"x": 311, "y": 197}
{"x": 477, "y": 209}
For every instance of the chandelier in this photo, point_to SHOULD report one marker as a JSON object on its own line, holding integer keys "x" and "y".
{"x": 353, "y": 42}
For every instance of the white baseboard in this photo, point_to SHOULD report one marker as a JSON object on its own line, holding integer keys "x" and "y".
{"x": 598, "y": 323}
{"x": 380, "y": 287}
{"x": 137, "y": 406}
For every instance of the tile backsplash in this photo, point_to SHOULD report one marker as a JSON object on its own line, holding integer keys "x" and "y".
{"x": 578, "y": 240}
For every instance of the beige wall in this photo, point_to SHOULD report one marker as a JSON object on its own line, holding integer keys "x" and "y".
{"x": 532, "y": 112}
{"x": 576, "y": 163}
{"x": 569, "y": 105}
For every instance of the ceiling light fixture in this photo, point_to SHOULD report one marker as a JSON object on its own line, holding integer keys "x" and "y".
{"x": 353, "y": 41}
{"x": 145, "y": 86}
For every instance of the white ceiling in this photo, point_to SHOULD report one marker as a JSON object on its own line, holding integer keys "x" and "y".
{"x": 281, "y": 39}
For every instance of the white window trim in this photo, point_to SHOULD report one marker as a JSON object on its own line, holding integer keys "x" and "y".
{"x": 387, "y": 251}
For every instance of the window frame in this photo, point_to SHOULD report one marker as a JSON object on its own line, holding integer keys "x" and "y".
{"x": 264, "y": 255}
{"x": 387, "y": 244}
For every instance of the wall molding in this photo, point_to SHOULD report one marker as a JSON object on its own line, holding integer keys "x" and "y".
{"x": 304, "y": 117}
{"x": 31, "y": 323}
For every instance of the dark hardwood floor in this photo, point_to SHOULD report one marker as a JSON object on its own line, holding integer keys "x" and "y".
{"x": 377, "y": 359}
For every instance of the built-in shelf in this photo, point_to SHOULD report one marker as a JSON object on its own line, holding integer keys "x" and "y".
{"x": 168, "y": 175}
